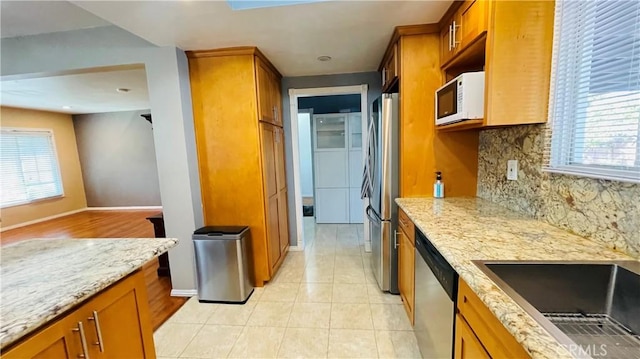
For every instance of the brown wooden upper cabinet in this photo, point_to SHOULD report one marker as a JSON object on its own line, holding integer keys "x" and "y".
{"x": 268, "y": 94}
{"x": 462, "y": 28}
{"x": 240, "y": 142}
{"x": 512, "y": 42}
{"x": 390, "y": 70}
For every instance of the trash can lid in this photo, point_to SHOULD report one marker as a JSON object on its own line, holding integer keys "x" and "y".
{"x": 220, "y": 230}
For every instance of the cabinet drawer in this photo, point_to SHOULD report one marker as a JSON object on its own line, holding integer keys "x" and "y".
{"x": 407, "y": 226}
{"x": 495, "y": 338}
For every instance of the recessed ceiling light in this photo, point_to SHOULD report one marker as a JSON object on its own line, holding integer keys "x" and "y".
{"x": 324, "y": 58}
{"x": 66, "y": 107}
{"x": 123, "y": 90}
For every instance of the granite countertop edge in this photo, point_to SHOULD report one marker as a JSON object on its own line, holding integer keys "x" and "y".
{"x": 532, "y": 336}
{"x": 11, "y": 333}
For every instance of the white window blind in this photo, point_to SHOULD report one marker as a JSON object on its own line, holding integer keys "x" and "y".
{"x": 28, "y": 166}
{"x": 594, "y": 106}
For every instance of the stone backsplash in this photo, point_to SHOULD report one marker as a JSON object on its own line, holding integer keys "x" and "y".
{"x": 605, "y": 211}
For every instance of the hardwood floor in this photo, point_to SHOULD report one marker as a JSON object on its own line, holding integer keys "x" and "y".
{"x": 109, "y": 224}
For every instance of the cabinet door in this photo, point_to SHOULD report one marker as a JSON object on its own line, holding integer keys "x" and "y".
{"x": 273, "y": 232}
{"x": 269, "y": 159}
{"x": 283, "y": 220}
{"x": 473, "y": 21}
{"x": 118, "y": 321}
{"x": 276, "y": 99}
{"x": 59, "y": 340}
{"x": 446, "y": 48}
{"x": 265, "y": 90}
{"x": 466, "y": 344}
{"x": 406, "y": 284}
{"x": 330, "y": 132}
{"x": 281, "y": 180}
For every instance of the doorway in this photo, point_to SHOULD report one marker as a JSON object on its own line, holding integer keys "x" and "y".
{"x": 327, "y": 156}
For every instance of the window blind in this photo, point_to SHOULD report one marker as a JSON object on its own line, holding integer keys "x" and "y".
{"x": 29, "y": 167}
{"x": 594, "y": 106}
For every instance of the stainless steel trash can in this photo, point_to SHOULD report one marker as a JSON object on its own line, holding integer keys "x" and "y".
{"x": 222, "y": 264}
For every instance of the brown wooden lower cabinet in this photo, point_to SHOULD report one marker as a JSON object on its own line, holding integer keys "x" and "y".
{"x": 466, "y": 344}
{"x": 406, "y": 276}
{"x": 487, "y": 330}
{"x": 115, "y": 323}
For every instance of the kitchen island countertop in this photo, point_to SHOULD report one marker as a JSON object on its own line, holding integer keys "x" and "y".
{"x": 43, "y": 278}
{"x": 466, "y": 229}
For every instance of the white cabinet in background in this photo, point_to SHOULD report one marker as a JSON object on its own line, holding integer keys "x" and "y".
{"x": 338, "y": 167}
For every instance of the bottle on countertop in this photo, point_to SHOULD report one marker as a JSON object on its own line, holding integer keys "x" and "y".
{"x": 438, "y": 187}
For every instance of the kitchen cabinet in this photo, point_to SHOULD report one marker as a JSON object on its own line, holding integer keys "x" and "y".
{"x": 113, "y": 324}
{"x": 240, "y": 144}
{"x": 466, "y": 344}
{"x": 461, "y": 29}
{"x": 488, "y": 331}
{"x": 268, "y": 85}
{"x": 423, "y": 149}
{"x": 511, "y": 41}
{"x": 405, "y": 237}
{"x": 390, "y": 70}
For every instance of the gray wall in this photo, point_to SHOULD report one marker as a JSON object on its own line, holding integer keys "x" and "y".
{"x": 170, "y": 98}
{"x": 118, "y": 159}
{"x": 330, "y": 104}
{"x": 372, "y": 79}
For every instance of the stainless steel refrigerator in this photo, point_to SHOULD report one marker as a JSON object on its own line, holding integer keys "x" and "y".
{"x": 380, "y": 185}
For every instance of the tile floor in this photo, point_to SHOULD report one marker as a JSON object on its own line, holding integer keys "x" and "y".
{"x": 324, "y": 302}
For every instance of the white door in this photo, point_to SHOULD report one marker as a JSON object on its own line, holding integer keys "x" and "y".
{"x": 356, "y": 166}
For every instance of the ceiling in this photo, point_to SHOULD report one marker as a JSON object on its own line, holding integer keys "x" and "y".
{"x": 92, "y": 92}
{"x": 354, "y": 33}
{"x": 20, "y": 18}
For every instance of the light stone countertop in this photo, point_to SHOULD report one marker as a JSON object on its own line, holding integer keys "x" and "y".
{"x": 466, "y": 229}
{"x": 43, "y": 278}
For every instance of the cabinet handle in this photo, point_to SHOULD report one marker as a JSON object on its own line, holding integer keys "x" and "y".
{"x": 83, "y": 341}
{"x": 395, "y": 239}
{"x": 96, "y": 321}
{"x": 454, "y": 43}
{"x": 450, "y": 36}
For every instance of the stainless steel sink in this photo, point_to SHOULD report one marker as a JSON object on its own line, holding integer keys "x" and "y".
{"x": 591, "y": 308}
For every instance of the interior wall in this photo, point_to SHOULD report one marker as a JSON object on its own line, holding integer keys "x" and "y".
{"x": 70, "y": 170}
{"x": 306, "y": 150}
{"x": 118, "y": 159}
{"x": 331, "y": 104}
{"x": 601, "y": 210}
{"x": 372, "y": 79}
{"x": 170, "y": 98}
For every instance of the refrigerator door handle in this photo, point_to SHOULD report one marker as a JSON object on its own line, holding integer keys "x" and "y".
{"x": 371, "y": 214}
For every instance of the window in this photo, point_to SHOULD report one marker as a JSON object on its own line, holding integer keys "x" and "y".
{"x": 594, "y": 106}
{"x": 29, "y": 167}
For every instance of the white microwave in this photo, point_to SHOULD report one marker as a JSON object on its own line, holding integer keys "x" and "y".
{"x": 461, "y": 99}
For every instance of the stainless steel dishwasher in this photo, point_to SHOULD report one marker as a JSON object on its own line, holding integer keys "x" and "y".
{"x": 436, "y": 287}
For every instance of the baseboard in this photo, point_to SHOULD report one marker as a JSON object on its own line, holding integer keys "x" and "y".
{"x": 295, "y": 249}
{"x": 129, "y": 208}
{"x": 2, "y": 229}
{"x": 184, "y": 292}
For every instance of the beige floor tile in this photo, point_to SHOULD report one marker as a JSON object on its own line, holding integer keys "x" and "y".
{"x": 350, "y": 293}
{"x": 315, "y": 293}
{"x": 376, "y": 296}
{"x": 310, "y": 315}
{"x": 397, "y": 344}
{"x": 258, "y": 342}
{"x": 233, "y": 314}
{"x": 346, "y": 343}
{"x": 351, "y": 316}
{"x": 270, "y": 314}
{"x": 171, "y": 338}
{"x": 321, "y": 274}
{"x": 280, "y": 292}
{"x": 212, "y": 341}
{"x": 390, "y": 317}
{"x": 292, "y": 274}
{"x": 304, "y": 343}
{"x": 347, "y": 261}
{"x": 194, "y": 312}
{"x": 351, "y": 275}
